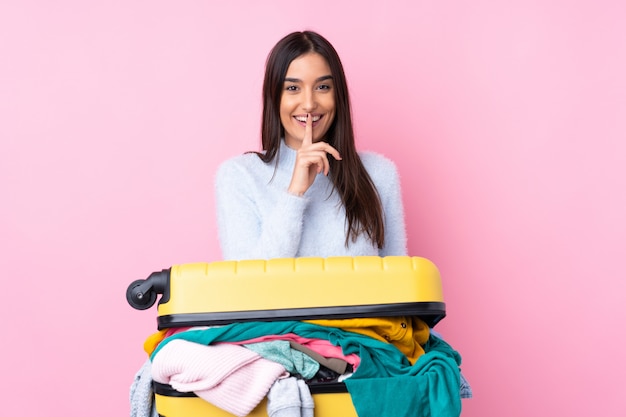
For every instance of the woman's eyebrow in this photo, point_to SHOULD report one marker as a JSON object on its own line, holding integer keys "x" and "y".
{"x": 297, "y": 80}
{"x": 324, "y": 78}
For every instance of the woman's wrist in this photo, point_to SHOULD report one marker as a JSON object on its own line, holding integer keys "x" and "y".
{"x": 295, "y": 191}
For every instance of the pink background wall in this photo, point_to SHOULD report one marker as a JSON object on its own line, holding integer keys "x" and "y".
{"x": 507, "y": 121}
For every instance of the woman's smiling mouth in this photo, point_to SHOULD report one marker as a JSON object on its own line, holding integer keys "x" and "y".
{"x": 302, "y": 119}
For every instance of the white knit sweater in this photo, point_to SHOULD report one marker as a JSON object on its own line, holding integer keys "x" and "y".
{"x": 258, "y": 219}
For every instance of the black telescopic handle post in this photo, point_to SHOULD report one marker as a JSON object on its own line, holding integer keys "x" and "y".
{"x": 141, "y": 294}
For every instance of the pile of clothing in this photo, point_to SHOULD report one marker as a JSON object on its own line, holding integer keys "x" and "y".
{"x": 390, "y": 366}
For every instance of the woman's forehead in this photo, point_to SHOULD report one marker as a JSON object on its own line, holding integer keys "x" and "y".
{"x": 308, "y": 64}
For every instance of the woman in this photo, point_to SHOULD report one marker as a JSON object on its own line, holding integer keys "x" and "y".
{"x": 309, "y": 193}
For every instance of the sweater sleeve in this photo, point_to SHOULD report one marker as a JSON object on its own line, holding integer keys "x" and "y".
{"x": 254, "y": 221}
{"x": 387, "y": 181}
{"x": 395, "y": 236}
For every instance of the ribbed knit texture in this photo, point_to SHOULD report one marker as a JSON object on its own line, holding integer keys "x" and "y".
{"x": 258, "y": 219}
{"x": 230, "y": 377}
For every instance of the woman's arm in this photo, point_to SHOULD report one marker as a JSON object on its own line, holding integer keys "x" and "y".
{"x": 395, "y": 228}
{"x": 387, "y": 181}
{"x": 256, "y": 220}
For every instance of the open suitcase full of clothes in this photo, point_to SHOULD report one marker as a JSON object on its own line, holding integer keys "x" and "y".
{"x": 223, "y": 293}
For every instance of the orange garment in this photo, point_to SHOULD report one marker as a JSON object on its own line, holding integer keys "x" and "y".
{"x": 153, "y": 341}
{"x": 408, "y": 333}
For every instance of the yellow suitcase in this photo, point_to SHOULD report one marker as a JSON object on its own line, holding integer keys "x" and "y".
{"x": 222, "y": 292}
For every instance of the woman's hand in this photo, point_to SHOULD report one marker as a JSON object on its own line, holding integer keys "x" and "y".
{"x": 311, "y": 160}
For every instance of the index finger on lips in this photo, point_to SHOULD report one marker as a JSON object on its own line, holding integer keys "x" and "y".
{"x": 308, "y": 130}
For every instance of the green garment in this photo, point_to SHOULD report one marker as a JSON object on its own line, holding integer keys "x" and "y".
{"x": 384, "y": 384}
{"x": 294, "y": 361}
{"x": 430, "y": 390}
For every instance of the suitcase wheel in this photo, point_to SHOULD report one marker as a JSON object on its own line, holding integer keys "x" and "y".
{"x": 140, "y": 297}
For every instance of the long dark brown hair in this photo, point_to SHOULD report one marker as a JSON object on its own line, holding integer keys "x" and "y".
{"x": 364, "y": 213}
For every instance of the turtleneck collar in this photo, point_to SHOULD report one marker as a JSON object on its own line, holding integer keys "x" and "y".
{"x": 286, "y": 156}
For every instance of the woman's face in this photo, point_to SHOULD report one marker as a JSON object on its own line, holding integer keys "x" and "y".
{"x": 308, "y": 88}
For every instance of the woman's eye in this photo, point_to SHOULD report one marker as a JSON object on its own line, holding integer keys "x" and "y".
{"x": 324, "y": 87}
{"x": 291, "y": 88}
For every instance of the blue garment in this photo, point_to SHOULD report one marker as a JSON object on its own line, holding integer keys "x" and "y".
{"x": 428, "y": 388}
{"x": 290, "y": 397}
{"x": 141, "y": 393}
{"x": 466, "y": 389}
{"x": 257, "y": 218}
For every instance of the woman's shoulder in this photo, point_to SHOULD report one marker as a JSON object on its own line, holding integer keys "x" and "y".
{"x": 384, "y": 174}
{"x": 378, "y": 165}
{"x": 241, "y": 168}
{"x": 248, "y": 161}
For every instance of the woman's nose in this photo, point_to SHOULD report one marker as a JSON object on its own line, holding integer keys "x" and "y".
{"x": 308, "y": 101}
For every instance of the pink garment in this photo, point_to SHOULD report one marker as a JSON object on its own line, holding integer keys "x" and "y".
{"x": 230, "y": 377}
{"x": 321, "y": 346}
{"x": 174, "y": 330}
